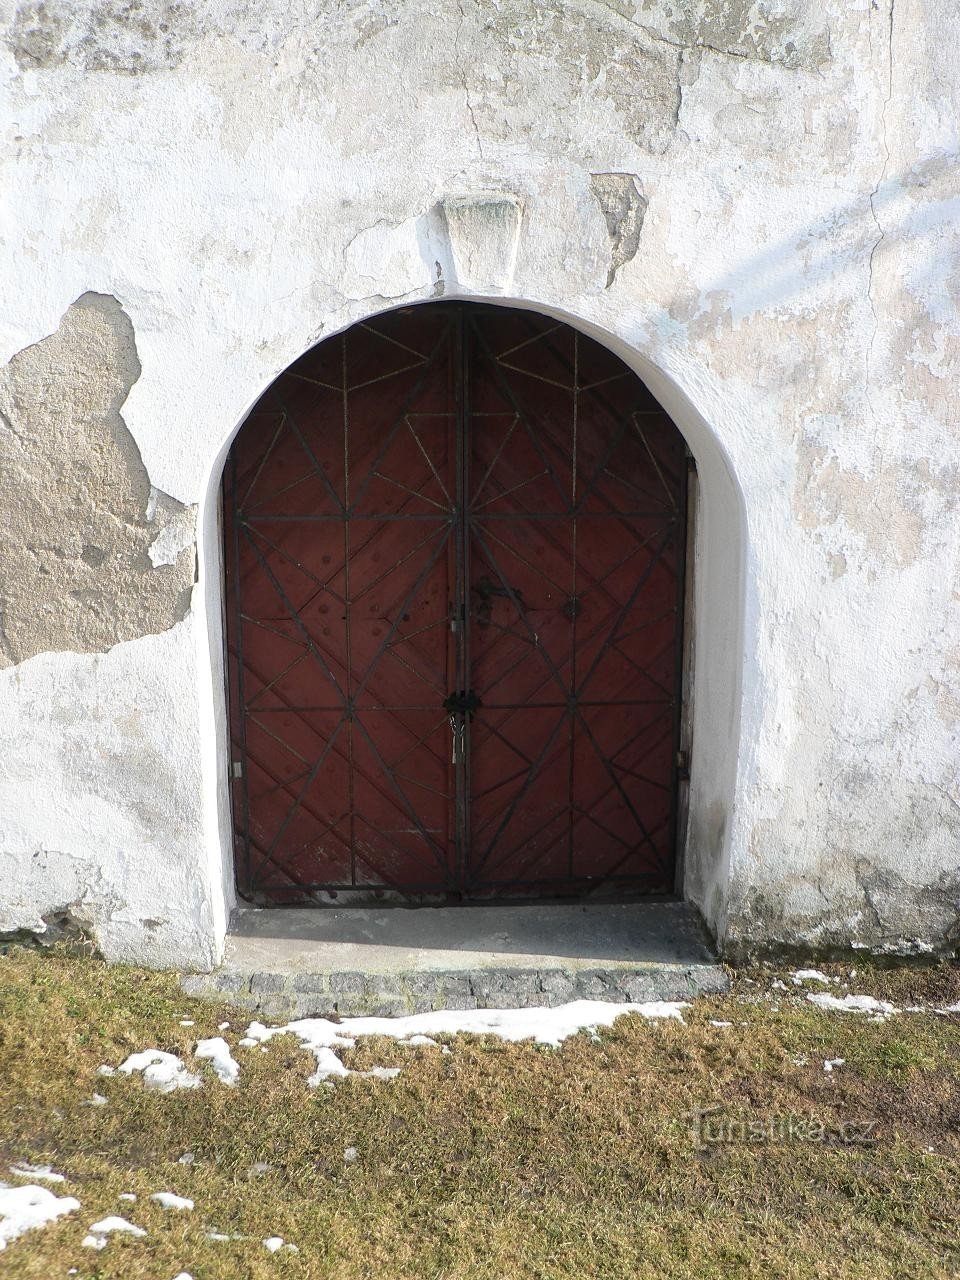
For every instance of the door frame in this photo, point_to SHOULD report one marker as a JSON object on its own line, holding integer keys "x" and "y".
{"x": 717, "y": 576}
{"x": 680, "y": 735}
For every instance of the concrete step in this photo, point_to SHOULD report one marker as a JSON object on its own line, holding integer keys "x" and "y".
{"x": 295, "y": 962}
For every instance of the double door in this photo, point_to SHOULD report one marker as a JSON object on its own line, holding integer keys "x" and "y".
{"x": 454, "y": 543}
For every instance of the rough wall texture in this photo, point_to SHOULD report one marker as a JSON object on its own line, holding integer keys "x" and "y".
{"x": 91, "y": 554}
{"x": 757, "y": 202}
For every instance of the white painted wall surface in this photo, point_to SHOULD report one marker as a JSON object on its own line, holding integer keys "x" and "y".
{"x": 246, "y": 179}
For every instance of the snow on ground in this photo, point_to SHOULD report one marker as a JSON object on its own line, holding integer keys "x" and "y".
{"x": 809, "y": 975}
{"x": 42, "y": 1172}
{"x": 548, "y": 1026}
{"x": 169, "y": 1200}
{"x": 273, "y": 1243}
{"x": 851, "y": 1004}
{"x": 544, "y": 1026}
{"x": 161, "y": 1071}
{"x": 99, "y": 1231}
{"x": 221, "y": 1059}
{"x": 24, "y": 1208}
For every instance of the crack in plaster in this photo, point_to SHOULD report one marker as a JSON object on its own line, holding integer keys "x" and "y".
{"x": 873, "y": 209}
{"x": 790, "y": 62}
{"x": 464, "y": 82}
{"x": 881, "y": 235}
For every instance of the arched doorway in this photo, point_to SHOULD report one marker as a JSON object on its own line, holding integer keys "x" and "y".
{"x": 455, "y": 547}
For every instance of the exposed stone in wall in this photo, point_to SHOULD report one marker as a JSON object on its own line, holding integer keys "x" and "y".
{"x": 117, "y": 36}
{"x": 91, "y": 554}
{"x": 623, "y": 207}
{"x": 788, "y": 33}
{"x": 872, "y": 905}
{"x": 483, "y": 233}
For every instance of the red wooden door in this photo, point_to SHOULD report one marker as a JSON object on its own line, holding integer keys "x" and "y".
{"x": 454, "y": 545}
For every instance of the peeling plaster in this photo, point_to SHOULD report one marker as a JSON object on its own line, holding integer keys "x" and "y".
{"x": 624, "y": 207}
{"x": 90, "y": 553}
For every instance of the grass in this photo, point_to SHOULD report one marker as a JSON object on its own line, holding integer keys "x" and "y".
{"x": 495, "y": 1160}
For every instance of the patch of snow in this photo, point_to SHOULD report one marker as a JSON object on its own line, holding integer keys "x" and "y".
{"x": 830, "y": 1063}
{"x": 414, "y": 1041}
{"x": 543, "y": 1026}
{"x": 169, "y": 1200}
{"x": 851, "y": 1004}
{"x": 799, "y": 1062}
{"x": 949, "y": 1008}
{"x": 350, "y": 1155}
{"x": 187, "y": 1158}
{"x": 104, "y": 1070}
{"x": 42, "y": 1172}
{"x": 183, "y": 1275}
{"x": 247, "y": 1043}
{"x": 718, "y": 1022}
{"x": 381, "y": 1073}
{"x": 187, "y": 1022}
{"x": 127, "y": 1195}
{"x": 99, "y": 1231}
{"x": 25, "y": 1208}
{"x": 98, "y": 1100}
{"x": 274, "y": 1243}
{"x": 777, "y": 985}
{"x": 223, "y": 1026}
{"x": 106, "y": 1226}
{"x": 161, "y": 1071}
{"x": 223, "y": 1062}
{"x": 809, "y": 975}
{"x": 257, "y": 1169}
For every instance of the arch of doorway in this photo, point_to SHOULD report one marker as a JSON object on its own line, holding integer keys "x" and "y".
{"x": 717, "y": 554}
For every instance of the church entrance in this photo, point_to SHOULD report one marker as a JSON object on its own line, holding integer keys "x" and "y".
{"x": 454, "y": 544}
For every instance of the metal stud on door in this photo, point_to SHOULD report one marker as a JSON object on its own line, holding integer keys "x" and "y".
{"x": 454, "y": 546}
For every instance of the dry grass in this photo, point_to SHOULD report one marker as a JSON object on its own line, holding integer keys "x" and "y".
{"x": 494, "y": 1160}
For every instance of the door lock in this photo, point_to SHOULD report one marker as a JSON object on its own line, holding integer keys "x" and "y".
{"x": 462, "y": 703}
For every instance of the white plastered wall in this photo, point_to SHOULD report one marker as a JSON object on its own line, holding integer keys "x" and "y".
{"x": 251, "y": 179}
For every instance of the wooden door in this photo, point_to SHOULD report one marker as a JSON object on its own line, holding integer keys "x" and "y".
{"x": 455, "y": 548}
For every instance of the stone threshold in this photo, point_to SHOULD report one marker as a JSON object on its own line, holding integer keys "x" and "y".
{"x": 294, "y": 962}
